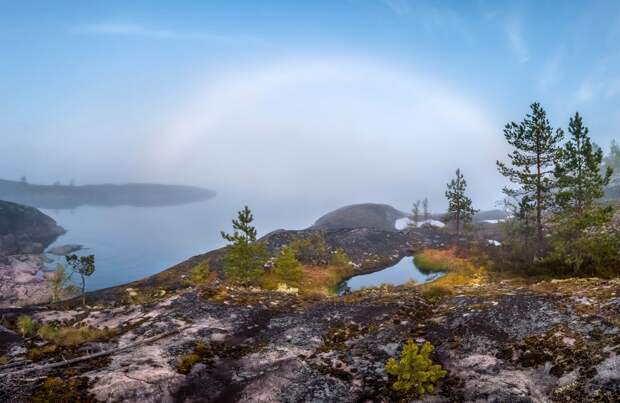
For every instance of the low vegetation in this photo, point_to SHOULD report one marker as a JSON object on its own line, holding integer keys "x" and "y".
{"x": 68, "y": 336}
{"x": 435, "y": 292}
{"x": 54, "y": 389}
{"x": 187, "y": 362}
{"x": 201, "y": 276}
{"x": 460, "y": 269}
{"x": 26, "y": 325}
{"x": 415, "y": 373}
{"x": 287, "y": 267}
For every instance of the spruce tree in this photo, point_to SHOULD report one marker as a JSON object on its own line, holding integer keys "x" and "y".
{"x": 578, "y": 171}
{"x": 246, "y": 257}
{"x": 531, "y": 163}
{"x": 459, "y": 205}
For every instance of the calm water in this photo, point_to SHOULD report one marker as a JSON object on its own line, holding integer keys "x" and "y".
{"x": 403, "y": 271}
{"x": 130, "y": 243}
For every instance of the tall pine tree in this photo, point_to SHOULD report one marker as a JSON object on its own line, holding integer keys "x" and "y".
{"x": 531, "y": 163}
{"x": 459, "y": 205}
{"x": 578, "y": 171}
{"x": 581, "y": 239}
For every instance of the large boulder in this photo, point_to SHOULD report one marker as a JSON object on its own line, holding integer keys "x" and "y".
{"x": 25, "y": 230}
{"x": 367, "y": 215}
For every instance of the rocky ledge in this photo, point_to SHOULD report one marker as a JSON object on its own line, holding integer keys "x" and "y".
{"x": 499, "y": 342}
{"x": 24, "y": 280}
{"x": 25, "y": 230}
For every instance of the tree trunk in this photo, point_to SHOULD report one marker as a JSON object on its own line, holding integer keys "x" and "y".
{"x": 83, "y": 292}
{"x": 539, "y": 233}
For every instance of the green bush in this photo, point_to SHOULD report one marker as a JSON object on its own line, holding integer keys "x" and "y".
{"x": 244, "y": 262}
{"x": 187, "y": 362}
{"x": 312, "y": 249}
{"x": 25, "y": 325}
{"x": 200, "y": 275}
{"x": 340, "y": 259}
{"x": 287, "y": 267}
{"x": 415, "y": 373}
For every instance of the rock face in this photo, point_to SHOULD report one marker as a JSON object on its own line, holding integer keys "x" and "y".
{"x": 25, "y": 229}
{"x": 367, "y": 215}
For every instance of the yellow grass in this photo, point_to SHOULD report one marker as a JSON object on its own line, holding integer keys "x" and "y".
{"x": 459, "y": 270}
{"x": 316, "y": 280}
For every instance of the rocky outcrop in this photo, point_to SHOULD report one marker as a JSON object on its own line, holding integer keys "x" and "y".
{"x": 25, "y": 229}
{"x": 367, "y": 215}
{"x": 499, "y": 342}
{"x": 24, "y": 280}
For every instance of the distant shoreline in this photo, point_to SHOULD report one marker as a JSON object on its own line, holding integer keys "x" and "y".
{"x": 106, "y": 195}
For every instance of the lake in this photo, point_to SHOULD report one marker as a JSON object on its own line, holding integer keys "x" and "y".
{"x": 130, "y": 243}
{"x": 400, "y": 273}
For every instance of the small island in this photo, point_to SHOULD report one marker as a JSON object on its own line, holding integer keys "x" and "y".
{"x": 107, "y": 195}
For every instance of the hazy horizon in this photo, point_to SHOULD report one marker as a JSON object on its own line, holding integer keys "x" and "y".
{"x": 322, "y": 105}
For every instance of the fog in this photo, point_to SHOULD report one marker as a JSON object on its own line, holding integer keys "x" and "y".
{"x": 315, "y": 133}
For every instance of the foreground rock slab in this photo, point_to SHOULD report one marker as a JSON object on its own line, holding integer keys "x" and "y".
{"x": 500, "y": 342}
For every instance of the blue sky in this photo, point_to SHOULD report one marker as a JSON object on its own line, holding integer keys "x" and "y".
{"x": 117, "y": 90}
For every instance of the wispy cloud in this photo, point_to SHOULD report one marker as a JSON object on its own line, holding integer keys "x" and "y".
{"x": 433, "y": 19}
{"x": 131, "y": 29}
{"x": 516, "y": 40}
{"x": 400, "y": 7}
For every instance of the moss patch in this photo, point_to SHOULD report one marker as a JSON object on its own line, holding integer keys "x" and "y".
{"x": 57, "y": 390}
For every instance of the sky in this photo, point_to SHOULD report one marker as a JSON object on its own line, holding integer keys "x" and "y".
{"x": 322, "y": 102}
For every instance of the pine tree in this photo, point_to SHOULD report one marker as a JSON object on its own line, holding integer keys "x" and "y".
{"x": 580, "y": 238}
{"x": 287, "y": 267}
{"x": 531, "y": 165}
{"x": 578, "y": 171}
{"x": 459, "y": 205}
{"x": 427, "y": 214}
{"x": 246, "y": 257}
{"x": 415, "y": 214}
